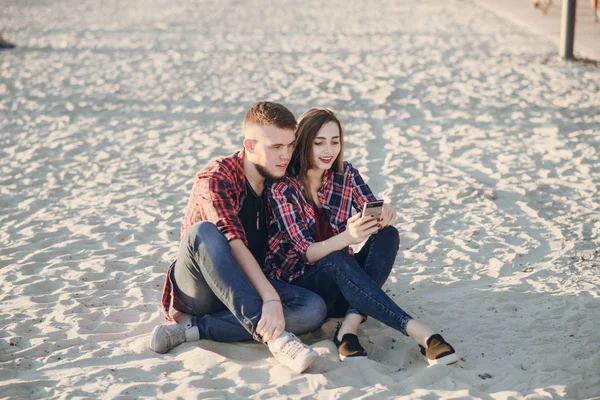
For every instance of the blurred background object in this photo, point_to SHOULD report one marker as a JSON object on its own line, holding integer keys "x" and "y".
{"x": 544, "y": 6}
{"x": 571, "y": 25}
{"x": 5, "y": 44}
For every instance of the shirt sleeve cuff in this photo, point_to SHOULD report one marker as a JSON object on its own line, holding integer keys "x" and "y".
{"x": 231, "y": 235}
{"x": 302, "y": 247}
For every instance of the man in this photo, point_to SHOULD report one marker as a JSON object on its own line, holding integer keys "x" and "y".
{"x": 216, "y": 288}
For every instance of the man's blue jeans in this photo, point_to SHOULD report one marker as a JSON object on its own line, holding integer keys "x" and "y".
{"x": 211, "y": 286}
{"x": 355, "y": 282}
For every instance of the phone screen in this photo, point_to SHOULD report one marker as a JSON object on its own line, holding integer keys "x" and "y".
{"x": 373, "y": 208}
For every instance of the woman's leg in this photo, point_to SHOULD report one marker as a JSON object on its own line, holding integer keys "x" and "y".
{"x": 377, "y": 259}
{"x": 363, "y": 293}
{"x": 378, "y": 255}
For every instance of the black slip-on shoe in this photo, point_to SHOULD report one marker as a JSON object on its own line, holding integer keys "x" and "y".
{"x": 439, "y": 352}
{"x": 349, "y": 347}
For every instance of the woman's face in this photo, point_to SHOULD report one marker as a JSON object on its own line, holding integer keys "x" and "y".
{"x": 326, "y": 146}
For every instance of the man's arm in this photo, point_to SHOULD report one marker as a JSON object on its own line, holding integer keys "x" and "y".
{"x": 272, "y": 320}
{"x": 212, "y": 200}
{"x": 250, "y": 266}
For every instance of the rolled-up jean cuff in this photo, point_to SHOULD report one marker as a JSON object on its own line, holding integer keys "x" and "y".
{"x": 403, "y": 322}
{"x": 249, "y": 325}
{"x": 355, "y": 311}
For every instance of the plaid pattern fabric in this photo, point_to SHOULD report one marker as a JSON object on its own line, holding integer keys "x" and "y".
{"x": 292, "y": 218}
{"x": 217, "y": 196}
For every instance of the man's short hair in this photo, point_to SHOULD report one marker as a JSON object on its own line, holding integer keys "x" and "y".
{"x": 266, "y": 113}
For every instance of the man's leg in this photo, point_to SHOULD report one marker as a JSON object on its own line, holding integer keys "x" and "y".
{"x": 205, "y": 279}
{"x": 208, "y": 280}
{"x": 205, "y": 264}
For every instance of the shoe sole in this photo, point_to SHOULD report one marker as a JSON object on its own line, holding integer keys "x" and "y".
{"x": 153, "y": 343}
{"x": 307, "y": 363}
{"x": 446, "y": 360}
{"x": 348, "y": 358}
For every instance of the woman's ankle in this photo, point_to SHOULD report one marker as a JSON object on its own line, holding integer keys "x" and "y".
{"x": 349, "y": 325}
{"x": 419, "y": 332}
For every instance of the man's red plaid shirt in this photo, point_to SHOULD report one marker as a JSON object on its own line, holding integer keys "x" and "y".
{"x": 216, "y": 197}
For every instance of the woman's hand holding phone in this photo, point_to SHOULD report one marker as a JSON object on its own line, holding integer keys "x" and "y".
{"x": 359, "y": 228}
{"x": 388, "y": 215}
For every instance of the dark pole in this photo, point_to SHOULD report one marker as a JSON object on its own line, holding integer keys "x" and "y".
{"x": 567, "y": 32}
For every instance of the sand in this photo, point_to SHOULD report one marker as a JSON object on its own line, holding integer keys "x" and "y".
{"x": 486, "y": 145}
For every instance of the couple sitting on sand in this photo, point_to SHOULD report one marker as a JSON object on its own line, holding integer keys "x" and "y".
{"x": 265, "y": 253}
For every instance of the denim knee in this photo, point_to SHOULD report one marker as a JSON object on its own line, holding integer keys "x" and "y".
{"x": 309, "y": 317}
{"x": 316, "y": 312}
{"x": 339, "y": 260}
{"x": 391, "y": 233}
{"x": 337, "y": 257}
{"x": 202, "y": 232}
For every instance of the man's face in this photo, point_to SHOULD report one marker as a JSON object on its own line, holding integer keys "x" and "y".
{"x": 271, "y": 150}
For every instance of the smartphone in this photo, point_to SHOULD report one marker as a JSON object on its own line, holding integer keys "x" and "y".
{"x": 374, "y": 208}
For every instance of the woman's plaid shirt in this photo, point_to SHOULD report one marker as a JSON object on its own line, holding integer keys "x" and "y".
{"x": 217, "y": 195}
{"x": 292, "y": 218}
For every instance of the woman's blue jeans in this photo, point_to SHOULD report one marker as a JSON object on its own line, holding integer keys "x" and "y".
{"x": 354, "y": 282}
{"x": 211, "y": 286}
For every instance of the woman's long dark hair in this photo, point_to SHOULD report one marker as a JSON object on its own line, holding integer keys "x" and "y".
{"x": 309, "y": 125}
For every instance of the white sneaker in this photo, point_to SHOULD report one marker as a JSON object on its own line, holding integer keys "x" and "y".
{"x": 291, "y": 352}
{"x": 170, "y": 335}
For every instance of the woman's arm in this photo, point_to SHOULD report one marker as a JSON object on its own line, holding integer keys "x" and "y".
{"x": 318, "y": 250}
{"x": 290, "y": 219}
{"x": 358, "y": 229}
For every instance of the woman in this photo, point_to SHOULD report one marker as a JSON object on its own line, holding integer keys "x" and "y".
{"x": 311, "y": 230}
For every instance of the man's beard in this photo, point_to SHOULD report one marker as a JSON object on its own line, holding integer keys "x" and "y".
{"x": 267, "y": 175}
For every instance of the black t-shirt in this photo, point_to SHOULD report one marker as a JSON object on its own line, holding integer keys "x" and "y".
{"x": 254, "y": 220}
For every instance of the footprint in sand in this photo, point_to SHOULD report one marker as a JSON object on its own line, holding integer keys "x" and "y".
{"x": 45, "y": 287}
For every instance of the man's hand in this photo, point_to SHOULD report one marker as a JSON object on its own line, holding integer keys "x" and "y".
{"x": 272, "y": 322}
{"x": 360, "y": 228}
